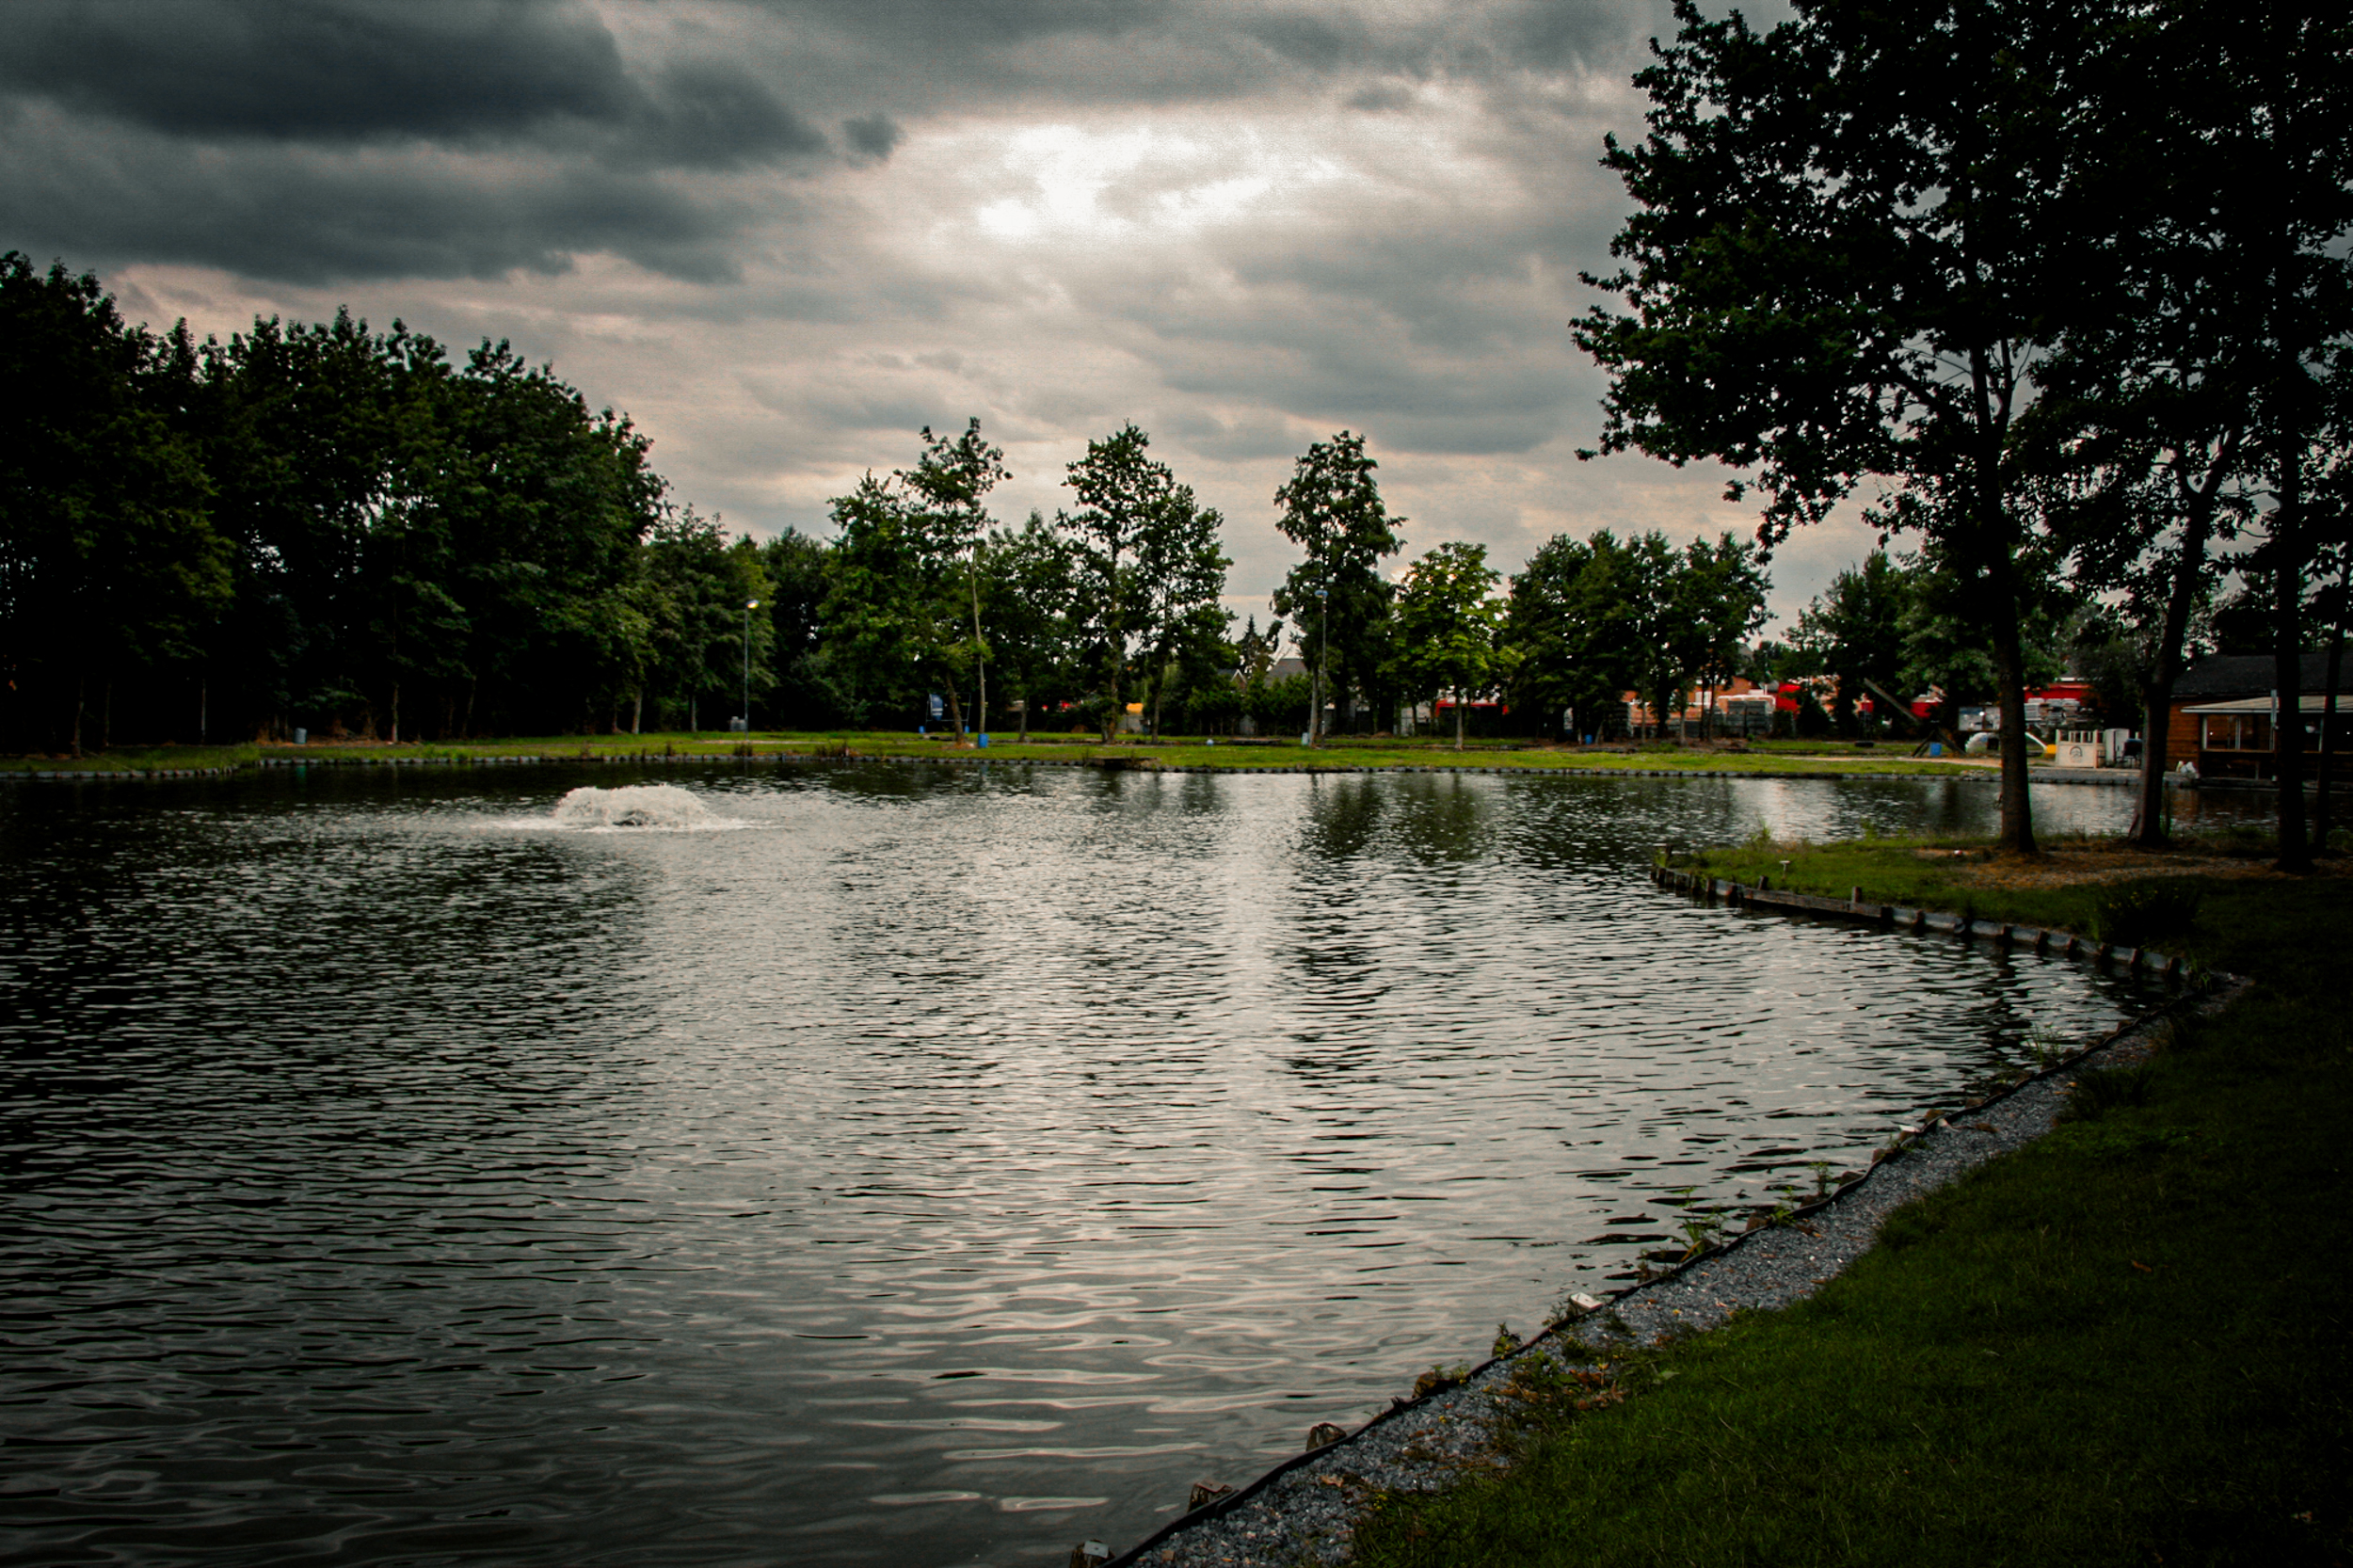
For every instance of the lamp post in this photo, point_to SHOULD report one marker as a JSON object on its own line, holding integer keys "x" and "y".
{"x": 749, "y": 605}
{"x": 1323, "y": 649}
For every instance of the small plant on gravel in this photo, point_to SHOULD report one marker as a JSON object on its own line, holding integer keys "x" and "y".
{"x": 1439, "y": 1378}
{"x": 2049, "y": 1049}
{"x": 1506, "y": 1341}
{"x": 1821, "y": 1178}
{"x": 1700, "y": 1230}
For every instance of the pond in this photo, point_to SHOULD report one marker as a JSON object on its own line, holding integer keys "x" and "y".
{"x": 868, "y": 1163}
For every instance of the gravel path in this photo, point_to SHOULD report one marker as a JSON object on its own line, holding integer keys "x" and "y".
{"x": 1308, "y": 1510}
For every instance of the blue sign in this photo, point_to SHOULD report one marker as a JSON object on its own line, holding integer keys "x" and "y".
{"x": 939, "y": 709}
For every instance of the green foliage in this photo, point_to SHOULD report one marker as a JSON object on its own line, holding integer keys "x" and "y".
{"x": 110, "y": 562}
{"x": 1337, "y": 599}
{"x": 1444, "y": 627}
{"x": 1590, "y": 621}
{"x": 1148, "y": 567}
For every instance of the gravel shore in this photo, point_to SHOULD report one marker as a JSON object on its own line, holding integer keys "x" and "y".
{"x": 1308, "y": 1510}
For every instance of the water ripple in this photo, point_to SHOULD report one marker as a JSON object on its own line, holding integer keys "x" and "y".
{"x": 952, "y": 1165}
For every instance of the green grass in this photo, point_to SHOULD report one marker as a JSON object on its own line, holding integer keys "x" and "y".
{"x": 137, "y": 759}
{"x": 2126, "y": 1344}
{"x": 1815, "y": 758}
{"x": 1191, "y": 752}
{"x": 1174, "y": 752}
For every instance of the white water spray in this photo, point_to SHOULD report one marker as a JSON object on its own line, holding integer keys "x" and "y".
{"x": 632, "y": 806}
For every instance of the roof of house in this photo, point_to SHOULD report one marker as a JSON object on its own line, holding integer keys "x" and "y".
{"x": 2230, "y": 675}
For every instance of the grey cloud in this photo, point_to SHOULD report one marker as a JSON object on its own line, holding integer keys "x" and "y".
{"x": 873, "y": 134}
{"x": 1382, "y": 97}
{"x": 715, "y": 116}
{"x": 339, "y": 72}
{"x": 318, "y": 69}
{"x": 306, "y": 217}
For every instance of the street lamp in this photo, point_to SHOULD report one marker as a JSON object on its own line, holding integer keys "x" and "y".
{"x": 1323, "y": 638}
{"x": 749, "y": 605}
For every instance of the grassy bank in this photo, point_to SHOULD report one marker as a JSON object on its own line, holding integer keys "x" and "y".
{"x": 138, "y": 760}
{"x": 2125, "y": 1344}
{"x": 1791, "y": 758}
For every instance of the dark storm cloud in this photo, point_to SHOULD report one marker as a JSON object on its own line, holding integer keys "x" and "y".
{"x": 303, "y": 216}
{"x": 328, "y": 70}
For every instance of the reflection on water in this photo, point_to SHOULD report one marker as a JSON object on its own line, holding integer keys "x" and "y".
{"x": 940, "y": 1167}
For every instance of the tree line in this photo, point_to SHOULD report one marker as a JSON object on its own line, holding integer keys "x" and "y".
{"x": 321, "y": 527}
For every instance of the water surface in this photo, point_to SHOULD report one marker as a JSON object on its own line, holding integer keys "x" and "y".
{"x": 904, "y": 1165}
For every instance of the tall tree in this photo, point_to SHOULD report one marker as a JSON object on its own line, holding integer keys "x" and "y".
{"x": 1180, "y": 580}
{"x": 1337, "y": 599}
{"x": 1123, "y": 494}
{"x": 1446, "y": 621}
{"x": 109, "y": 564}
{"x": 948, "y": 481}
{"x": 1854, "y": 633}
{"x": 1570, "y": 626}
{"x": 1863, "y": 210}
{"x": 2215, "y": 184}
{"x": 1032, "y": 594}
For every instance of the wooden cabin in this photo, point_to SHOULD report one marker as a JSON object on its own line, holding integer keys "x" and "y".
{"x": 2223, "y": 715}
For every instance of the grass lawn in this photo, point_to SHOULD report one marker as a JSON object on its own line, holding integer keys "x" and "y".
{"x": 1175, "y": 752}
{"x": 2125, "y": 1344}
{"x": 138, "y": 760}
{"x": 1791, "y": 757}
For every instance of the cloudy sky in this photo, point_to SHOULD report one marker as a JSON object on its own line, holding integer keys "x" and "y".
{"x": 784, "y": 236}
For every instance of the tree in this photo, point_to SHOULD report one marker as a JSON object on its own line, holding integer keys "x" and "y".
{"x": 1446, "y": 621}
{"x": 1144, "y": 554}
{"x": 1569, "y": 624}
{"x": 109, "y": 563}
{"x": 1855, "y": 633}
{"x": 1180, "y": 580}
{"x": 948, "y": 481}
{"x": 1032, "y": 596}
{"x": 1717, "y": 597}
{"x": 1853, "y": 243}
{"x": 2219, "y": 285}
{"x": 904, "y": 602}
{"x": 800, "y": 575}
{"x": 1332, "y": 508}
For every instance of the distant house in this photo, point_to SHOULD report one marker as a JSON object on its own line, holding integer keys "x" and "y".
{"x": 2223, "y": 709}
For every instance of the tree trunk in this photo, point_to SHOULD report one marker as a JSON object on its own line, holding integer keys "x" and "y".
{"x": 980, "y": 659}
{"x": 2324, "y": 819}
{"x": 1025, "y": 717}
{"x": 955, "y": 710}
{"x": 2287, "y": 660}
{"x": 1459, "y": 708}
{"x": 2156, "y": 690}
{"x": 395, "y": 737}
{"x": 2009, "y": 666}
{"x": 636, "y": 709}
{"x": 107, "y": 716}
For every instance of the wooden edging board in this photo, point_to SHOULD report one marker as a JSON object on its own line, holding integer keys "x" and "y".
{"x": 1903, "y": 916}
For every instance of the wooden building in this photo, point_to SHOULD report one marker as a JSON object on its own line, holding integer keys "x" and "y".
{"x": 2224, "y": 708}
